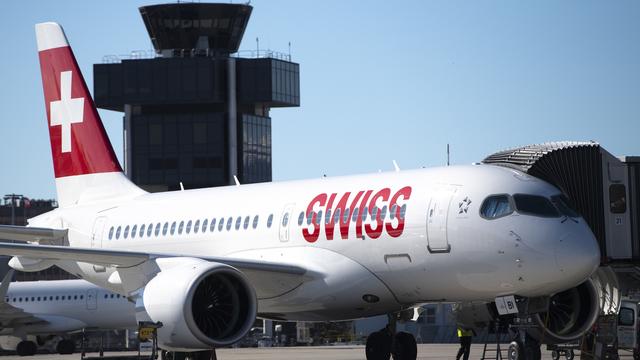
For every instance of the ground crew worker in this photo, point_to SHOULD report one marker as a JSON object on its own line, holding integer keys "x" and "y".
{"x": 464, "y": 335}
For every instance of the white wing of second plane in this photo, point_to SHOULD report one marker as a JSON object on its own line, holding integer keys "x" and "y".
{"x": 12, "y": 317}
{"x": 269, "y": 279}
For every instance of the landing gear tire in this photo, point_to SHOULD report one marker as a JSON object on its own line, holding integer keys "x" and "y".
{"x": 515, "y": 351}
{"x": 166, "y": 355}
{"x": 569, "y": 355}
{"x": 555, "y": 355}
{"x": 26, "y": 348}
{"x": 378, "y": 346}
{"x": 66, "y": 347}
{"x": 405, "y": 347}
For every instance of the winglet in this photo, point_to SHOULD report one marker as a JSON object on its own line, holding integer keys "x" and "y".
{"x": 4, "y": 287}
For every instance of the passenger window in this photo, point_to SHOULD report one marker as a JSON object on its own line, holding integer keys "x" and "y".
{"x": 318, "y": 218}
{"x": 535, "y": 205}
{"x": 255, "y": 221}
{"x": 327, "y": 216}
{"x": 221, "y": 224}
{"x": 149, "y": 230}
{"x": 188, "y": 229}
{"x": 126, "y": 232}
{"x": 495, "y": 206}
{"x": 403, "y": 211}
{"x": 310, "y": 217}
{"x": 354, "y": 217}
{"x": 118, "y": 233}
{"x": 180, "y": 227}
{"x": 374, "y": 213}
{"x": 238, "y": 222}
{"x": 562, "y": 203}
{"x": 300, "y": 218}
{"x": 213, "y": 225}
{"x": 205, "y": 222}
{"x": 285, "y": 219}
{"x": 157, "y": 231}
{"x": 111, "y": 233}
{"x": 229, "y": 223}
{"x": 134, "y": 230}
{"x": 392, "y": 211}
{"x": 165, "y": 228}
{"x": 383, "y": 213}
{"x": 618, "y": 198}
{"x": 336, "y": 216}
{"x": 196, "y": 227}
{"x": 345, "y": 216}
{"x": 365, "y": 213}
{"x": 141, "y": 230}
{"x": 173, "y": 227}
{"x": 269, "y": 221}
{"x": 246, "y": 223}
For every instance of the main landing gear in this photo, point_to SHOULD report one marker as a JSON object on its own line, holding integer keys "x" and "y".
{"x": 383, "y": 344}
{"x": 194, "y": 355}
{"x": 26, "y": 348}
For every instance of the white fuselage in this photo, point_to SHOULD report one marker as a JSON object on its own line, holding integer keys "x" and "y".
{"x": 67, "y": 305}
{"x": 445, "y": 250}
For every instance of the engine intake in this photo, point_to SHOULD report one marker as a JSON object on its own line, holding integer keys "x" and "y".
{"x": 570, "y": 315}
{"x": 201, "y": 304}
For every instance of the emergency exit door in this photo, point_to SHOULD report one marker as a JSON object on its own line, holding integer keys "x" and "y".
{"x": 92, "y": 299}
{"x": 437, "y": 216}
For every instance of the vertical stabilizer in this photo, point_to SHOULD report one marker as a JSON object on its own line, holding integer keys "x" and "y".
{"x": 84, "y": 162}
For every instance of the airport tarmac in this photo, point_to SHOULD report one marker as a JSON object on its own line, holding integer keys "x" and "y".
{"x": 425, "y": 351}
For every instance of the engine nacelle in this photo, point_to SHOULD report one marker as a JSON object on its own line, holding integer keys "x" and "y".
{"x": 570, "y": 315}
{"x": 201, "y": 305}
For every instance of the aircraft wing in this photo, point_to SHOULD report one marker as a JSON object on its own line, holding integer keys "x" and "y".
{"x": 12, "y": 317}
{"x": 33, "y": 234}
{"x": 268, "y": 278}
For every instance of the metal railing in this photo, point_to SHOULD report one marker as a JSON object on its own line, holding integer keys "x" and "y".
{"x": 151, "y": 54}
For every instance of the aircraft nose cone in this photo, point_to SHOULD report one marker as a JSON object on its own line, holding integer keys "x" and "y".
{"x": 578, "y": 254}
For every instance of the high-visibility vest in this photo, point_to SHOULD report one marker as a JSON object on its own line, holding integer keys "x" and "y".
{"x": 463, "y": 333}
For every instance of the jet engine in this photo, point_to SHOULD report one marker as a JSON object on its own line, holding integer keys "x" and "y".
{"x": 200, "y": 304}
{"x": 570, "y": 314}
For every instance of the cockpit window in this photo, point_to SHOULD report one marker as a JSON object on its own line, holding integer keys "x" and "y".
{"x": 496, "y": 206}
{"x": 535, "y": 205}
{"x": 563, "y": 204}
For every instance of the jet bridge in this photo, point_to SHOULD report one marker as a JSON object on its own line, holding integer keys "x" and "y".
{"x": 603, "y": 188}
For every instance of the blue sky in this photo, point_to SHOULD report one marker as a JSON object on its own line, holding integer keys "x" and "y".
{"x": 380, "y": 80}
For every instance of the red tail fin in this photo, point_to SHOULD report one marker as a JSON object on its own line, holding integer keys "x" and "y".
{"x": 79, "y": 143}
{"x": 85, "y": 165}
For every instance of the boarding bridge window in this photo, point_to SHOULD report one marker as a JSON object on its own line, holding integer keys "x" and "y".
{"x": 563, "y": 204}
{"x": 618, "y": 198}
{"x": 493, "y": 207}
{"x": 535, "y": 205}
{"x": 626, "y": 317}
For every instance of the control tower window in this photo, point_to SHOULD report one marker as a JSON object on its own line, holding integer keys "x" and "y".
{"x": 535, "y": 205}
{"x": 618, "y": 198}
{"x": 495, "y": 206}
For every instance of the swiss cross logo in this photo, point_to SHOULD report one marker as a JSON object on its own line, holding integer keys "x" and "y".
{"x": 66, "y": 111}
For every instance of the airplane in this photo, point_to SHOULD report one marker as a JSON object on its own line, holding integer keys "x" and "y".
{"x": 206, "y": 262}
{"x": 40, "y": 313}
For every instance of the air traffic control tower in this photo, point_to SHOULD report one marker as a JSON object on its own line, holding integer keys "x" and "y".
{"x": 197, "y": 112}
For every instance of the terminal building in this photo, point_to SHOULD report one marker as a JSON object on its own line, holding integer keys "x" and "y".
{"x": 196, "y": 111}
